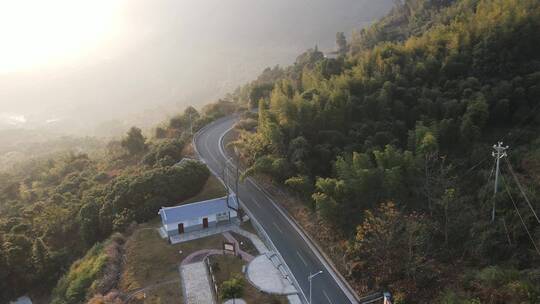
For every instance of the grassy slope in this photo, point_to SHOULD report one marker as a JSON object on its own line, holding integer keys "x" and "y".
{"x": 150, "y": 260}
{"x": 82, "y": 274}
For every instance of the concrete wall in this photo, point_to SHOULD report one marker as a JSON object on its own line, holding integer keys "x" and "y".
{"x": 199, "y": 227}
{"x": 197, "y": 224}
{"x": 192, "y": 228}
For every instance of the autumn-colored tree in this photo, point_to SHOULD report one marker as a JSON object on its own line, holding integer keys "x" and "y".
{"x": 391, "y": 250}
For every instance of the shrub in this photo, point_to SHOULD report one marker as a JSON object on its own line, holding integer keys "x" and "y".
{"x": 248, "y": 124}
{"x": 232, "y": 288}
{"x": 166, "y": 152}
{"x": 495, "y": 276}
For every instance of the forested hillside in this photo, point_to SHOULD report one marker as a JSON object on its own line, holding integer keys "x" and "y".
{"x": 390, "y": 143}
{"x": 54, "y": 209}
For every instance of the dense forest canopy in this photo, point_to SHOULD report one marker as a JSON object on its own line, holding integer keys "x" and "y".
{"x": 390, "y": 142}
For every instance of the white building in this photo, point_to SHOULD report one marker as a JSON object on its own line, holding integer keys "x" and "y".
{"x": 197, "y": 216}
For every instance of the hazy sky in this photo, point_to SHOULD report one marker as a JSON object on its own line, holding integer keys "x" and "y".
{"x": 80, "y": 63}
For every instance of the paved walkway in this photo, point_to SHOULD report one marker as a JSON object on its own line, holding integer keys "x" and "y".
{"x": 196, "y": 284}
{"x": 261, "y": 247}
{"x": 294, "y": 299}
{"x": 267, "y": 277}
{"x": 265, "y": 271}
{"x": 200, "y": 255}
{"x": 236, "y": 301}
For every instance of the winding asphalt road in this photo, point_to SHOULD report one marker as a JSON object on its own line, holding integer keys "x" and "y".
{"x": 297, "y": 252}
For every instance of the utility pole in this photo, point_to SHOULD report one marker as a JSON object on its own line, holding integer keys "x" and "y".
{"x": 237, "y": 173}
{"x": 499, "y": 153}
{"x": 190, "y": 123}
{"x": 224, "y": 178}
{"x": 310, "y": 278}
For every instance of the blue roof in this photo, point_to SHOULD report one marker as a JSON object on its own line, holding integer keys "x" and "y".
{"x": 198, "y": 209}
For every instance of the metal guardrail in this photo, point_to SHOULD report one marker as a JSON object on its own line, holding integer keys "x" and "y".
{"x": 260, "y": 230}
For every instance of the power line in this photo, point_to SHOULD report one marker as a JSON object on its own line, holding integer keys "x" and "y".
{"x": 532, "y": 112}
{"x": 491, "y": 173}
{"x": 474, "y": 167}
{"x": 521, "y": 189}
{"x": 512, "y": 141}
{"x": 519, "y": 214}
{"x": 485, "y": 198}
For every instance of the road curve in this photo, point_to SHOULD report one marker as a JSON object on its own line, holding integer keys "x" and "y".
{"x": 297, "y": 253}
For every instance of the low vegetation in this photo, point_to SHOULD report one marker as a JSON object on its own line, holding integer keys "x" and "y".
{"x": 54, "y": 209}
{"x": 96, "y": 273}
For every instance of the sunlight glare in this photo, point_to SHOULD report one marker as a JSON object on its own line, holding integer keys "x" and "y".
{"x": 37, "y": 33}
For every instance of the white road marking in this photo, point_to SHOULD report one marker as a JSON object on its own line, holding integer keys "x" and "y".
{"x": 204, "y": 129}
{"x": 256, "y": 203}
{"x": 327, "y": 297}
{"x": 277, "y": 227}
{"x": 301, "y": 258}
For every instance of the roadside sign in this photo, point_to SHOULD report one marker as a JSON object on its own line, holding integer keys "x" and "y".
{"x": 229, "y": 247}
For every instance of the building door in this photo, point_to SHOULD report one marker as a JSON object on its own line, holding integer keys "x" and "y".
{"x": 181, "y": 228}
{"x": 205, "y": 222}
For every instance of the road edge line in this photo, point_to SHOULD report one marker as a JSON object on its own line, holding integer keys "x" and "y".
{"x": 298, "y": 287}
{"x": 323, "y": 258}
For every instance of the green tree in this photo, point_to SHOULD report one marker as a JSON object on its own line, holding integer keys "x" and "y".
{"x": 341, "y": 43}
{"x": 4, "y": 272}
{"x": 41, "y": 259}
{"x": 123, "y": 219}
{"x": 160, "y": 132}
{"x": 191, "y": 112}
{"x": 474, "y": 119}
{"x": 330, "y": 200}
{"x": 89, "y": 223}
{"x": 301, "y": 184}
{"x": 134, "y": 142}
